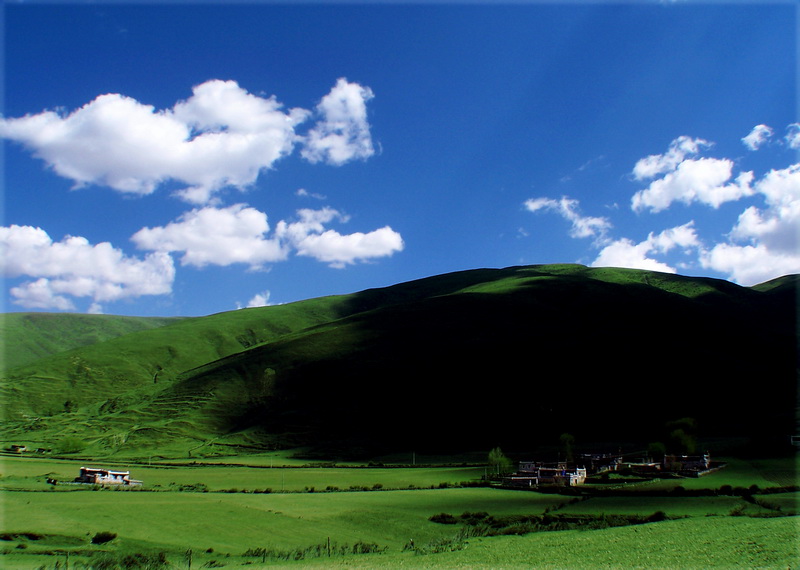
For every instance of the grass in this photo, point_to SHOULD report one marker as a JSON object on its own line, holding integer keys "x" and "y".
{"x": 130, "y": 361}
{"x": 289, "y": 375}
{"x": 234, "y": 522}
{"x": 27, "y": 337}
{"x": 28, "y": 473}
{"x": 713, "y": 542}
{"x": 220, "y": 526}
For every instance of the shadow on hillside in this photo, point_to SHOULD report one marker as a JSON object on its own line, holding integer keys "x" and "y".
{"x": 600, "y": 360}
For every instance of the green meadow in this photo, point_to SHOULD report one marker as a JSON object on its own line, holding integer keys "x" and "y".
{"x": 347, "y": 430}
{"x": 288, "y": 514}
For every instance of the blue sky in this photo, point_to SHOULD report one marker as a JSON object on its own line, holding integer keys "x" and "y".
{"x": 186, "y": 160}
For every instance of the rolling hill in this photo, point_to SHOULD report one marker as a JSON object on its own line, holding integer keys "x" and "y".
{"x": 465, "y": 360}
{"x": 27, "y": 337}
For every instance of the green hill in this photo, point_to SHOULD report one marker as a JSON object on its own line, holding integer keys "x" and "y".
{"x": 465, "y": 360}
{"x": 27, "y": 337}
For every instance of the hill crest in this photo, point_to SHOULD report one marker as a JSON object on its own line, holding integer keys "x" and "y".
{"x": 529, "y": 342}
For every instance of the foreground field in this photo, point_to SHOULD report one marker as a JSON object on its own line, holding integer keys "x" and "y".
{"x": 715, "y": 542}
{"x": 371, "y": 516}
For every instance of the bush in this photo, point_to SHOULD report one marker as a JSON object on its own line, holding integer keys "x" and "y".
{"x": 474, "y": 518}
{"x": 135, "y": 561}
{"x": 443, "y": 518}
{"x": 71, "y": 444}
{"x": 103, "y": 537}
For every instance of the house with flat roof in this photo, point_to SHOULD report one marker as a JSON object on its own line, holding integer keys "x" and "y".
{"x": 93, "y": 476}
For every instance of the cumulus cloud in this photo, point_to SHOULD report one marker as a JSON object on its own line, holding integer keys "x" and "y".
{"x": 749, "y": 264}
{"x": 568, "y": 208}
{"x": 764, "y": 242}
{"x": 343, "y": 132}
{"x": 220, "y": 136}
{"x": 309, "y": 237}
{"x": 687, "y": 180}
{"x": 216, "y": 236}
{"x": 757, "y": 137}
{"x": 625, "y": 253}
{"x": 241, "y": 234}
{"x": 75, "y": 268}
{"x": 258, "y": 300}
{"x": 679, "y": 149}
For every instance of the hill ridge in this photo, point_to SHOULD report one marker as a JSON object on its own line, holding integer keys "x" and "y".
{"x": 524, "y": 340}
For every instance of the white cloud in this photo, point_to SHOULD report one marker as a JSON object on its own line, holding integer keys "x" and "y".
{"x": 749, "y": 264}
{"x": 259, "y": 300}
{"x": 762, "y": 245}
{"x": 625, "y": 253}
{"x": 757, "y": 137}
{"x": 220, "y": 136}
{"x": 793, "y": 135}
{"x": 679, "y": 149}
{"x": 343, "y": 132}
{"x": 75, "y": 268}
{"x": 568, "y": 208}
{"x": 216, "y": 236}
{"x": 309, "y": 238}
{"x": 303, "y": 193}
{"x": 240, "y": 234}
{"x": 764, "y": 241}
{"x": 702, "y": 180}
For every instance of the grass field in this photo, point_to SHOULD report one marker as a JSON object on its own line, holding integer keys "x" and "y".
{"x": 713, "y": 542}
{"x": 41, "y": 524}
{"x": 32, "y": 473}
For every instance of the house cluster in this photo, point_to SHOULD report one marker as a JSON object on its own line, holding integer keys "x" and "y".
{"x": 536, "y": 474}
{"x": 92, "y": 476}
{"x": 532, "y": 474}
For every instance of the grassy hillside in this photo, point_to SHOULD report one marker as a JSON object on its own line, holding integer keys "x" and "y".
{"x": 27, "y": 337}
{"x": 472, "y": 359}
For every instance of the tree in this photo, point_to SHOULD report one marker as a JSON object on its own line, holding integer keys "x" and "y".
{"x": 682, "y": 436}
{"x": 567, "y": 441}
{"x": 656, "y": 450}
{"x": 499, "y": 464}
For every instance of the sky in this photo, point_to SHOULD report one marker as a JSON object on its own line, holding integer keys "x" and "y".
{"x": 176, "y": 159}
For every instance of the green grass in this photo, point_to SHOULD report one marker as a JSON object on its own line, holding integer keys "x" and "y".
{"x": 713, "y": 542}
{"x": 289, "y": 375}
{"x": 65, "y": 518}
{"x": 234, "y": 522}
{"x": 129, "y": 362}
{"x": 27, "y": 337}
{"x": 671, "y": 506}
{"x": 230, "y": 524}
{"x": 28, "y": 473}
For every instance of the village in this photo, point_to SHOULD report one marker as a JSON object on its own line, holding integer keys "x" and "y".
{"x": 538, "y": 474}
{"x": 530, "y": 474}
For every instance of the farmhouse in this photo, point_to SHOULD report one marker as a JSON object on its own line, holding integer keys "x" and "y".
{"x": 687, "y": 464}
{"x": 600, "y": 462}
{"x": 94, "y": 476}
{"x": 535, "y": 474}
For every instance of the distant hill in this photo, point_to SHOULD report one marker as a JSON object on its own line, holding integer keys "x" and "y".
{"x": 465, "y": 360}
{"x": 27, "y": 337}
